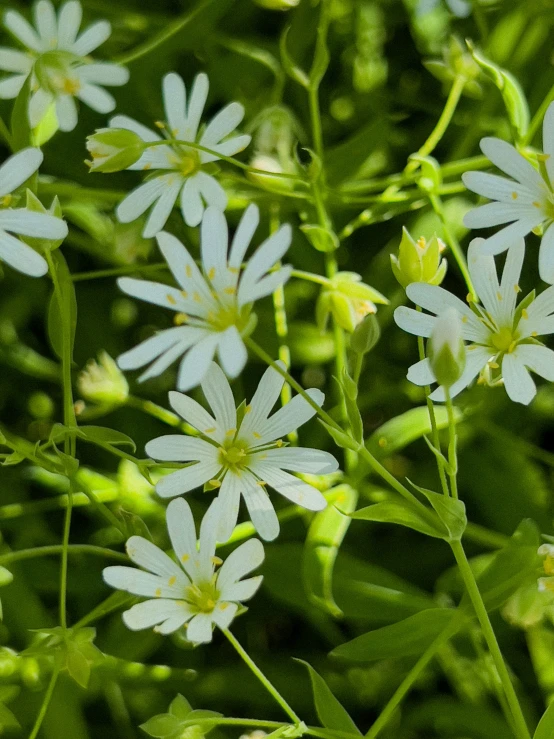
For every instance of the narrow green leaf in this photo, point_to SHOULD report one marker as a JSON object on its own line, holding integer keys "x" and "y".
{"x": 341, "y": 437}
{"x": 77, "y": 665}
{"x": 404, "y": 514}
{"x": 545, "y": 729}
{"x": 450, "y": 511}
{"x": 102, "y": 435}
{"x": 62, "y": 319}
{"x": 329, "y": 710}
{"x": 409, "y": 637}
{"x": 325, "y": 535}
{"x": 20, "y": 126}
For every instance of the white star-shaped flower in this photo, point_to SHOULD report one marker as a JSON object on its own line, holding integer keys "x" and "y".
{"x": 191, "y": 592}
{"x": 13, "y": 173}
{"x": 58, "y": 59}
{"x": 524, "y": 202}
{"x": 213, "y": 305}
{"x": 502, "y": 335}
{"x": 178, "y": 171}
{"x": 240, "y": 452}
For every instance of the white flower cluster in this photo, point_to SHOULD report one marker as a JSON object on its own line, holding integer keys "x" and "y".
{"x": 503, "y": 335}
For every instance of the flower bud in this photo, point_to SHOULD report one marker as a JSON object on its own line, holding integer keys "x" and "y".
{"x": 446, "y": 349}
{"x": 419, "y": 261}
{"x": 348, "y": 299}
{"x": 366, "y": 335}
{"x": 113, "y": 149}
{"x": 55, "y": 209}
{"x": 103, "y": 383}
{"x": 272, "y": 166}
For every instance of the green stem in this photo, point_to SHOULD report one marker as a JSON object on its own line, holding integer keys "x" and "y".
{"x": 452, "y": 444}
{"x": 116, "y": 271}
{"x": 490, "y": 637}
{"x": 5, "y": 134}
{"x": 262, "y": 678}
{"x": 538, "y": 117}
{"x": 485, "y": 537}
{"x": 408, "y": 682}
{"x": 261, "y": 723}
{"x": 46, "y": 702}
{"x": 57, "y": 549}
{"x": 310, "y": 277}
{"x": 442, "y": 124}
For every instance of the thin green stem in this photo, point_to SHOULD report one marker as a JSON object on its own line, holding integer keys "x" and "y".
{"x": 452, "y": 444}
{"x": 490, "y": 637}
{"x": 116, "y": 271}
{"x": 487, "y": 538}
{"x": 310, "y": 277}
{"x": 5, "y": 133}
{"x": 442, "y": 124}
{"x": 20, "y": 554}
{"x": 261, "y": 677}
{"x": 45, "y": 702}
{"x": 261, "y": 723}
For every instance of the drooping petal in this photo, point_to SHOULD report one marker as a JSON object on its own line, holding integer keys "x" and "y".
{"x": 152, "y": 612}
{"x": 232, "y": 352}
{"x": 199, "y": 630}
{"x": 147, "y": 555}
{"x": 219, "y": 395}
{"x": 506, "y": 158}
{"x": 180, "y": 448}
{"x": 546, "y": 256}
{"x": 288, "y": 418}
{"x": 146, "y": 584}
{"x": 18, "y": 168}
{"x": 517, "y": 380}
{"x": 175, "y": 104}
{"x": 260, "y": 508}
{"x": 229, "y": 499}
{"x": 21, "y": 257}
{"x": 421, "y": 373}
{"x": 476, "y": 359}
{"x": 140, "y": 199}
{"x": 298, "y": 459}
{"x": 243, "y": 560}
{"x": 162, "y": 209}
{"x": 92, "y": 38}
{"x": 187, "y": 479}
{"x": 196, "y": 362}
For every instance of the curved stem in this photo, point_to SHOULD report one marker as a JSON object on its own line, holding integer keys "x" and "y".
{"x": 452, "y": 443}
{"x": 261, "y": 677}
{"x": 45, "y": 703}
{"x": 57, "y": 549}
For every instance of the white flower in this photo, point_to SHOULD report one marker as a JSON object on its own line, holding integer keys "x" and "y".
{"x": 213, "y": 306}
{"x": 13, "y": 173}
{"x": 59, "y": 61}
{"x": 191, "y": 592}
{"x": 503, "y": 336}
{"x": 182, "y": 172}
{"x": 240, "y": 453}
{"x": 524, "y": 202}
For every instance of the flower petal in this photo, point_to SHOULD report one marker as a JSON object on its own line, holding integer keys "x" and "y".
{"x": 182, "y": 533}
{"x": 219, "y": 395}
{"x": 517, "y": 380}
{"x": 15, "y": 61}
{"x": 260, "y": 507}
{"x": 46, "y": 24}
{"x": 187, "y": 274}
{"x": 104, "y": 73}
{"x": 198, "y": 97}
{"x": 229, "y": 499}
{"x": 30, "y": 223}
{"x": 243, "y": 560}
{"x": 546, "y": 256}
{"x": 162, "y": 209}
{"x": 21, "y": 257}
{"x": 151, "y": 348}
{"x": 175, "y": 104}
{"x": 40, "y": 102}
{"x": 213, "y": 250}
{"x": 288, "y": 418}
{"x": 498, "y": 188}
{"x": 298, "y": 459}
{"x": 264, "y": 258}
{"x": 222, "y": 124}
{"x": 152, "y": 612}
{"x": 187, "y": 479}
{"x": 232, "y": 352}
{"x": 69, "y": 21}
{"x": 193, "y": 413}
{"x": 196, "y": 362}
{"x": 509, "y": 285}
{"x": 263, "y": 400}
{"x": 210, "y": 189}
{"x": 476, "y": 358}
{"x": 414, "y": 322}
{"x": 199, "y": 630}
{"x": 179, "y": 448}
{"x": 438, "y": 300}
{"x": 265, "y": 286}
{"x": 243, "y": 235}
{"x": 142, "y": 583}
{"x": 18, "y": 168}
{"x": 224, "y": 613}
{"x": 241, "y": 591}
{"x": 482, "y": 270}
{"x": 66, "y": 112}
{"x": 147, "y": 555}
{"x": 294, "y": 489}
{"x": 22, "y": 30}
{"x": 92, "y": 38}
{"x": 96, "y": 98}
{"x": 537, "y": 358}
{"x": 11, "y": 86}
{"x": 548, "y": 140}
{"x": 192, "y": 206}
{"x": 421, "y": 373}
{"x": 510, "y": 235}
{"x": 140, "y": 199}
{"x": 506, "y": 158}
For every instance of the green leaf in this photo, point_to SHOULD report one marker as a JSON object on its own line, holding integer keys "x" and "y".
{"x": 404, "y": 514}
{"x": 20, "y": 126}
{"x": 180, "y": 707}
{"x": 102, "y": 435}
{"x": 322, "y": 239}
{"x": 403, "y": 639}
{"x": 400, "y": 431}
{"x": 290, "y": 67}
{"x": 77, "y": 665}
{"x": 321, "y": 57}
{"x": 325, "y": 535}
{"x": 341, "y": 437}
{"x": 329, "y": 710}
{"x": 450, "y": 511}
{"x": 62, "y": 318}
{"x": 163, "y": 725}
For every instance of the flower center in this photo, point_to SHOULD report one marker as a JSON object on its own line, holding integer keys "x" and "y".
{"x": 186, "y": 161}
{"x": 202, "y": 596}
{"x": 234, "y": 456}
{"x": 504, "y": 340}
{"x": 54, "y": 72}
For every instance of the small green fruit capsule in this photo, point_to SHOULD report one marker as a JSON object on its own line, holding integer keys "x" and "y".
{"x": 366, "y": 335}
{"x": 113, "y": 149}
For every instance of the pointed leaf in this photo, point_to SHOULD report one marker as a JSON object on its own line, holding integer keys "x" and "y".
{"x": 404, "y": 514}
{"x": 329, "y": 710}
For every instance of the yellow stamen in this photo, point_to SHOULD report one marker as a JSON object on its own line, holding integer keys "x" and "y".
{"x": 170, "y": 299}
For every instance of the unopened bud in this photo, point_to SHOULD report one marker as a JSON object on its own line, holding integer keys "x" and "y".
{"x": 113, "y": 149}
{"x": 366, "y": 335}
{"x": 348, "y": 300}
{"x": 103, "y": 382}
{"x": 446, "y": 348}
{"x": 419, "y": 261}
{"x": 269, "y": 181}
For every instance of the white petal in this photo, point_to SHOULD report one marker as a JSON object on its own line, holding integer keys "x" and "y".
{"x": 179, "y": 448}
{"x": 482, "y": 270}
{"x": 229, "y": 498}
{"x": 548, "y": 140}
{"x": 260, "y": 507}
{"x": 30, "y": 223}
{"x": 40, "y": 102}
{"x": 219, "y": 395}
{"x": 21, "y": 257}
{"x": 494, "y": 214}
{"x": 196, "y": 362}
{"x": 198, "y": 97}
{"x": 210, "y": 189}
{"x": 214, "y": 243}
{"x": 46, "y": 23}
{"x": 517, "y": 380}
{"x": 414, "y": 322}
{"x": 506, "y": 158}
{"x": 509, "y": 285}
{"x": 438, "y": 300}
{"x": 152, "y": 612}
{"x": 199, "y": 630}
{"x": 295, "y": 490}
{"x": 140, "y": 199}
{"x": 476, "y": 358}
{"x": 546, "y": 256}
{"x": 66, "y": 112}
{"x": 421, "y": 373}
{"x": 537, "y": 358}
{"x": 11, "y": 86}
{"x": 183, "y": 481}
{"x": 232, "y": 352}
{"x": 69, "y": 21}
{"x": 227, "y": 148}
{"x": 147, "y": 555}
{"x": 187, "y": 274}
{"x": 265, "y": 286}
{"x": 208, "y": 539}
{"x": 18, "y": 168}
{"x": 263, "y": 400}
{"x": 146, "y": 134}
{"x": 298, "y": 459}
{"x": 243, "y": 560}
{"x": 288, "y": 418}
{"x": 193, "y": 413}
{"x": 151, "y": 348}
{"x": 223, "y": 614}
{"x": 96, "y": 98}
{"x": 92, "y": 38}
{"x": 509, "y": 235}
{"x": 241, "y": 591}
{"x": 142, "y": 583}
{"x": 104, "y": 73}
{"x": 182, "y": 533}
{"x": 243, "y": 235}
{"x": 264, "y": 258}
{"x": 22, "y": 30}
{"x": 175, "y": 104}
{"x": 15, "y": 61}
{"x": 162, "y": 209}
{"x": 192, "y": 206}
{"x": 539, "y": 314}
{"x": 175, "y": 621}
{"x": 498, "y": 188}
{"x": 154, "y": 292}
{"x": 190, "y": 337}
{"x": 222, "y": 124}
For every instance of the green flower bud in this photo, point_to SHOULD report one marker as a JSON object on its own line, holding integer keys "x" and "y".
{"x": 103, "y": 383}
{"x": 113, "y": 149}
{"x": 366, "y": 335}
{"x": 270, "y": 165}
{"x": 446, "y": 349}
{"x": 419, "y": 261}
{"x": 348, "y": 299}
{"x": 55, "y": 209}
